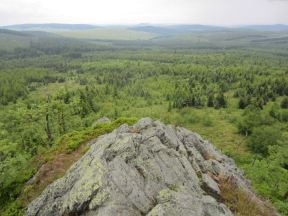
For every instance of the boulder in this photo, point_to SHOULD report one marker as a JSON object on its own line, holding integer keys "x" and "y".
{"x": 100, "y": 121}
{"x": 103, "y": 120}
{"x": 146, "y": 169}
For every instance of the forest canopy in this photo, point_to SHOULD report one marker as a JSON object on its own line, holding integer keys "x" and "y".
{"x": 233, "y": 92}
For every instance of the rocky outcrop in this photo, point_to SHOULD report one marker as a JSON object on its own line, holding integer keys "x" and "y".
{"x": 147, "y": 169}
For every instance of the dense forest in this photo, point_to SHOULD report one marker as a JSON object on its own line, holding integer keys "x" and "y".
{"x": 234, "y": 92}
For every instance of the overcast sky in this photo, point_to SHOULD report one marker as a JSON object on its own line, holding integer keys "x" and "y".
{"x": 215, "y": 12}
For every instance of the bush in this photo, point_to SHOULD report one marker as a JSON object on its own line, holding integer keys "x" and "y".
{"x": 284, "y": 103}
{"x": 243, "y": 102}
{"x": 32, "y": 139}
{"x": 262, "y": 137}
{"x": 282, "y": 206}
{"x": 71, "y": 141}
{"x": 251, "y": 118}
{"x": 269, "y": 176}
{"x": 284, "y": 116}
{"x": 13, "y": 209}
{"x": 220, "y": 101}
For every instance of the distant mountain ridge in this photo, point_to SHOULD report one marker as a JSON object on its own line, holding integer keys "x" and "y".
{"x": 151, "y": 28}
{"x": 276, "y": 27}
{"x": 176, "y": 29}
{"x": 49, "y": 26}
{"x": 163, "y": 29}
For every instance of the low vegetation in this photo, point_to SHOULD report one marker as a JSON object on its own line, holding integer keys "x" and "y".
{"x": 240, "y": 201}
{"x": 52, "y": 165}
{"x": 233, "y": 94}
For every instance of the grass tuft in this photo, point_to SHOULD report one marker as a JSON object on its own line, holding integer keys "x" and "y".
{"x": 241, "y": 202}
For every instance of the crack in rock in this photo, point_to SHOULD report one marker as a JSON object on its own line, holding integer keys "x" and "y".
{"x": 146, "y": 169}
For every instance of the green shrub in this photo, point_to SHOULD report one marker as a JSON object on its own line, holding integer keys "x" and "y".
{"x": 263, "y": 137}
{"x": 284, "y": 115}
{"x": 13, "y": 209}
{"x": 71, "y": 141}
{"x": 284, "y": 103}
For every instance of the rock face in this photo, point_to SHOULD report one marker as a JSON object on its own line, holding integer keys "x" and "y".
{"x": 147, "y": 169}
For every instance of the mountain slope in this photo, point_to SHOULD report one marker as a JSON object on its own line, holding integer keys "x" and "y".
{"x": 10, "y": 40}
{"x": 114, "y": 33}
{"x": 42, "y": 41}
{"x": 149, "y": 169}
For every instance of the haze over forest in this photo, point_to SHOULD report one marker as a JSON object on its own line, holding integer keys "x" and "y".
{"x": 72, "y": 71}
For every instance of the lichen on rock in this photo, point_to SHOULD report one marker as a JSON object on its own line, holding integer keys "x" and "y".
{"x": 146, "y": 169}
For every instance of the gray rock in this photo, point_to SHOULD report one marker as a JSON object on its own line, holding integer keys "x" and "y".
{"x": 100, "y": 121}
{"x": 103, "y": 119}
{"x": 154, "y": 170}
{"x": 210, "y": 185}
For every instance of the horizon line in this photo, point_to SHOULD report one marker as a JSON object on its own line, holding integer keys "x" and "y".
{"x": 145, "y": 24}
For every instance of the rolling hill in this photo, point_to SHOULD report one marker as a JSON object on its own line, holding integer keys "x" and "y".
{"x": 175, "y": 29}
{"x": 10, "y": 40}
{"x": 38, "y": 40}
{"x": 111, "y": 33}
